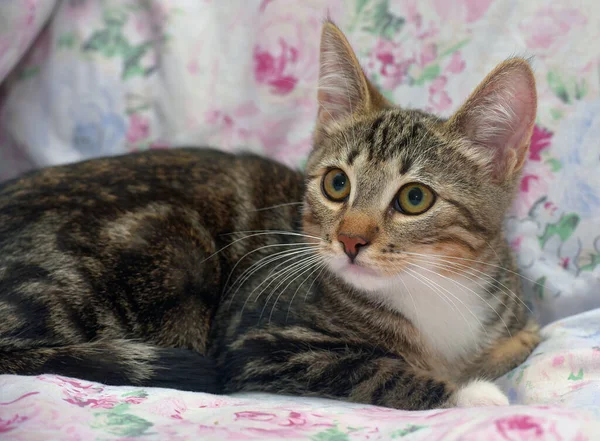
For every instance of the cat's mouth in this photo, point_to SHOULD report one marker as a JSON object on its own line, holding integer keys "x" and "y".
{"x": 346, "y": 267}
{"x": 359, "y": 269}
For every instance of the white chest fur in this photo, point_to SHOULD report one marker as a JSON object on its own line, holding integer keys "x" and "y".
{"x": 449, "y": 313}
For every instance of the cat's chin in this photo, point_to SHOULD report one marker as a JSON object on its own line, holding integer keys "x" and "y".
{"x": 359, "y": 275}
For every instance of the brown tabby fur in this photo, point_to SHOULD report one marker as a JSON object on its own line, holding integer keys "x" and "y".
{"x": 131, "y": 270}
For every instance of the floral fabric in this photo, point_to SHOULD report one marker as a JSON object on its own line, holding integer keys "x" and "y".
{"x": 86, "y": 78}
{"x": 560, "y": 382}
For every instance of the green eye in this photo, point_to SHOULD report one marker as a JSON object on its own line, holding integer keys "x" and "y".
{"x": 414, "y": 199}
{"x": 336, "y": 185}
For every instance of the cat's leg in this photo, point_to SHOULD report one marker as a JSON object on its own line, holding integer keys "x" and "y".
{"x": 478, "y": 393}
{"x": 113, "y": 362}
{"x": 506, "y": 355}
{"x": 302, "y": 362}
{"x": 510, "y": 353}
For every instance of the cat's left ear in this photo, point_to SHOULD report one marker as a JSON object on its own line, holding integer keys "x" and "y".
{"x": 499, "y": 116}
{"x": 344, "y": 90}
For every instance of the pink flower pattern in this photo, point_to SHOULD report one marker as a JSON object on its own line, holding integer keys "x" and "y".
{"x": 547, "y": 30}
{"x": 463, "y": 11}
{"x": 249, "y": 82}
{"x": 271, "y": 68}
{"x": 8, "y": 424}
{"x": 438, "y": 97}
{"x": 139, "y": 129}
{"x": 540, "y": 140}
{"x": 389, "y": 60}
{"x": 537, "y": 174}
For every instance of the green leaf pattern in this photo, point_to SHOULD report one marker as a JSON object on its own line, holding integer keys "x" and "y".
{"x": 567, "y": 89}
{"x": 401, "y": 433}
{"x": 564, "y": 228}
{"x": 576, "y": 377}
{"x": 120, "y": 424}
{"x": 331, "y": 434}
{"x": 119, "y": 420}
{"x": 112, "y": 42}
{"x": 375, "y": 18}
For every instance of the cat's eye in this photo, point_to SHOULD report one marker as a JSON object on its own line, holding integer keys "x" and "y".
{"x": 336, "y": 185}
{"x": 414, "y": 199}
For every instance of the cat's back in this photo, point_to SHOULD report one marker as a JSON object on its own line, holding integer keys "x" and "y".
{"x": 153, "y": 173}
{"x": 216, "y": 184}
{"x": 106, "y": 268}
{"x": 121, "y": 247}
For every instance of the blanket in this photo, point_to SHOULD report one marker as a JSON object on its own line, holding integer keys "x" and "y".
{"x": 560, "y": 382}
{"x": 87, "y": 78}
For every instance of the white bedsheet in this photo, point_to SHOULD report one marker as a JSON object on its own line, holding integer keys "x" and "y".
{"x": 90, "y": 78}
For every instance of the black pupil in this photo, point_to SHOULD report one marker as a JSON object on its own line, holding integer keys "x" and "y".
{"x": 339, "y": 182}
{"x": 415, "y": 196}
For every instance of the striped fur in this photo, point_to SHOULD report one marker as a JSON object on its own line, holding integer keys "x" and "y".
{"x": 205, "y": 271}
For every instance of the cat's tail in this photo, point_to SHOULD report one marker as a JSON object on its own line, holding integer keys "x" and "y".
{"x": 117, "y": 363}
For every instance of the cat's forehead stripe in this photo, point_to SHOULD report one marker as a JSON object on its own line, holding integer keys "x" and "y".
{"x": 373, "y": 130}
{"x": 394, "y": 135}
{"x": 396, "y": 132}
{"x": 352, "y": 154}
{"x": 405, "y": 164}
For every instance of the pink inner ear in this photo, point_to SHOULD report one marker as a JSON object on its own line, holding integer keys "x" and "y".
{"x": 341, "y": 81}
{"x": 501, "y": 114}
{"x": 524, "y": 109}
{"x": 332, "y": 107}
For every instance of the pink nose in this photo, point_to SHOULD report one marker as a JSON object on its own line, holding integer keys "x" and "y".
{"x": 352, "y": 244}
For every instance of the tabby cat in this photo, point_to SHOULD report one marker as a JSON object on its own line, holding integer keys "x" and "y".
{"x": 380, "y": 276}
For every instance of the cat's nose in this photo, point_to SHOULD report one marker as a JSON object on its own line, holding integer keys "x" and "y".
{"x": 352, "y": 244}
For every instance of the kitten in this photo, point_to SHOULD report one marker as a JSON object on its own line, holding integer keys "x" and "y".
{"x": 382, "y": 276}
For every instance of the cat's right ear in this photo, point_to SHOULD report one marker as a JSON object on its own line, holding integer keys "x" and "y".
{"x": 344, "y": 90}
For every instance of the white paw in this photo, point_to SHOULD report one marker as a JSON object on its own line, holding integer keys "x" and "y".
{"x": 480, "y": 393}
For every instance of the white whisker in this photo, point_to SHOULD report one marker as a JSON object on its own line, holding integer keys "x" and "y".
{"x": 445, "y": 259}
{"x": 462, "y": 273}
{"x": 313, "y": 282}
{"x": 274, "y": 232}
{"x": 256, "y": 233}
{"x": 466, "y": 287}
{"x": 432, "y": 284}
{"x": 321, "y": 267}
{"x": 257, "y": 266}
{"x": 469, "y": 260}
{"x": 290, "y": 272}
{"x": 307, "y": 245}
{"x": 411, "y": 297}
{"x": 274, "y": 275}
{"x": 288, "y": 204}
{"x": 300, "y": 271}
{"x": 265, "y": 261}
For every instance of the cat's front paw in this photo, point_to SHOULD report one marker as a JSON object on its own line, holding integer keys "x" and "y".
{"x": 480, "y": 393}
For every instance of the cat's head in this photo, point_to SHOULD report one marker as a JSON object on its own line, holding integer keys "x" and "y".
{"x": 387, "y": 186}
